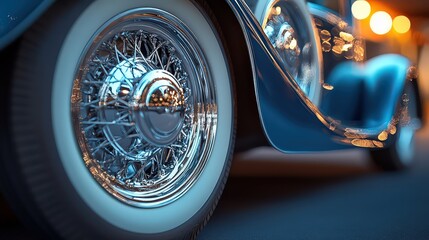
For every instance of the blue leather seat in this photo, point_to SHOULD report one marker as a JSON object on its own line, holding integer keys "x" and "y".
{"x": 366, "y": 95}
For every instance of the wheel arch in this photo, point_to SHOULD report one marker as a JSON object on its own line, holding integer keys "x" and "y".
{"x": 249, "y": 127}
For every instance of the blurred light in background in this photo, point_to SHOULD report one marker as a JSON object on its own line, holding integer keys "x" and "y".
{"x": 401, "y": 24}
{"x": 395, "y": 26}
{"x": 423, "y": 69}
{"x": 361, "y": 9}
{"x": 381, "y": 22}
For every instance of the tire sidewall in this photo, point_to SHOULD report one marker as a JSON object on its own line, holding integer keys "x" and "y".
{"x": 196, "y": 203}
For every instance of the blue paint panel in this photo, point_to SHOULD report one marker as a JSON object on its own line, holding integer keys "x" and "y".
{"x": 13, "y": 12}
{"x": 17, "y": 15}
{"x": 288, "y": 122}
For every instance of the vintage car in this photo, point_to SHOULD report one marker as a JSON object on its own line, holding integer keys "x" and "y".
{"x": 119, "y": 117}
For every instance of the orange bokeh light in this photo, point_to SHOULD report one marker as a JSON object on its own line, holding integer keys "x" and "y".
{"x": 401, "y": 24}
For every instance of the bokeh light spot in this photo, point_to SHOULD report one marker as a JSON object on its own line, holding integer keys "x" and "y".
{"x": 361, "y": 9}
{"x": 401, "y": 24}
{"x": 380, "y": 23}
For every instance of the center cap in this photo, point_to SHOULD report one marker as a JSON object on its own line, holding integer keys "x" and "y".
{"x": 158, "y": 107}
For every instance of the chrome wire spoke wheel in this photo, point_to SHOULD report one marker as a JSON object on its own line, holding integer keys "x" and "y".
{"x": 143, "y": 108}
{"x": 124, "y": 120}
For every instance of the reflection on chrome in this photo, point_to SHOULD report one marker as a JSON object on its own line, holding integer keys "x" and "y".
{"x": 336, "y": 36}
{"x": 340, "y": 41}
{"x": 364, "y": 143}
{"x": 143, "y": 108}
{"x": 291, "y": 42}
{"x": 383, "y": 136}
{"x": 327, "y": 86}
{"x": 282, "y": 37}
{"x": 412, "y": 73}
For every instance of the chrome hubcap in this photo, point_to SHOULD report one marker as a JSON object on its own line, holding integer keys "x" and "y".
{"x": 144, "y": 109}
{"x": 158, "y": 107}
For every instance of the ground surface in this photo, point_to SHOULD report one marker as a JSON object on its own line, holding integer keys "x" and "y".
{"x": 324, "y": 196}
{"x": 321, "y": 196}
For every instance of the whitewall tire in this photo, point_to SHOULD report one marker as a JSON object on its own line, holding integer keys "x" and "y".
{"x": 75, "y": 192}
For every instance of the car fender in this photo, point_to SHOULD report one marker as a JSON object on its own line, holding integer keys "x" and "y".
{"x": 291, "y": 121}
{"x": 17, "y": 16}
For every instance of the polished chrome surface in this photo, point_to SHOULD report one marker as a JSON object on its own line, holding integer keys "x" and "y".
{"x": 280, "y": 29}
{"x": 336, "y": 36}
{"x": 291, "y": 37}
{"x": 159, "y": 107}
{"x": 283, "y": 38}
{"x": 144, "y": 108}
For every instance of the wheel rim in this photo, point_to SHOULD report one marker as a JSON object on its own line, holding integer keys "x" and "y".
{"x": 143, "y": 108}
